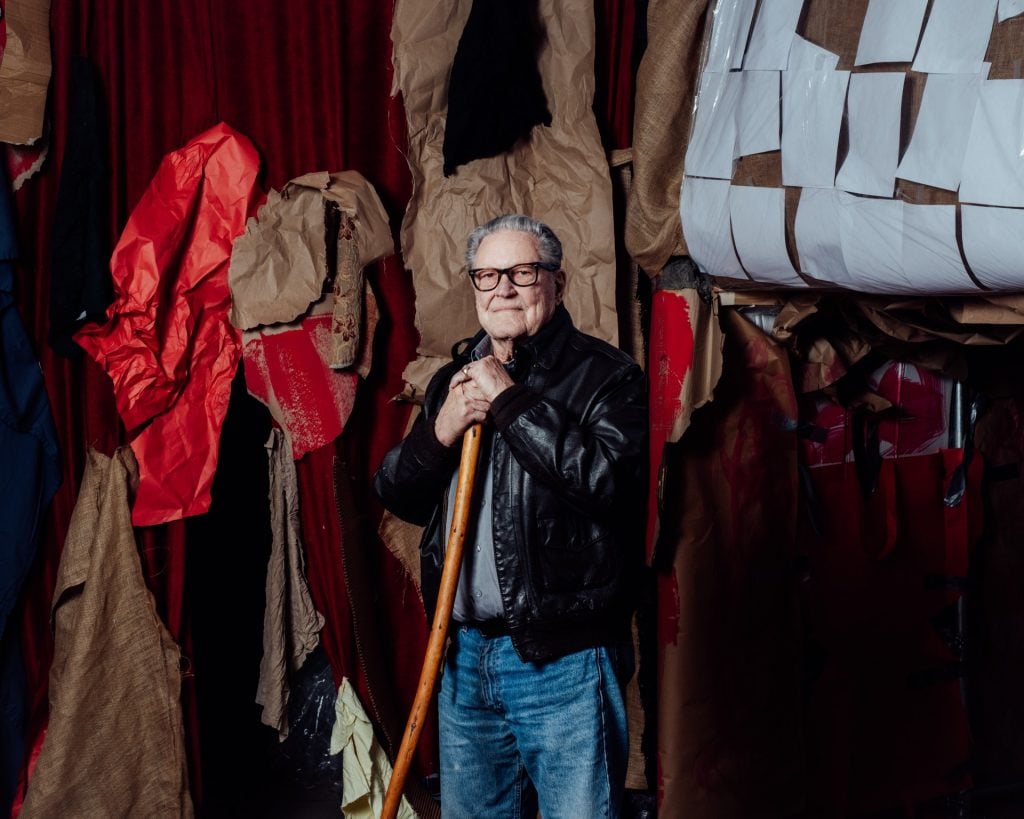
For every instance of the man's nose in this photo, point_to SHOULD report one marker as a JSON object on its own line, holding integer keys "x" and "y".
{"x": 505, "y": 287}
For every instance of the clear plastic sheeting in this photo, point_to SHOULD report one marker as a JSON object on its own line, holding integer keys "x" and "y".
{"x": 713, "y": 142}
{"x": 889, "y": 163}
{"x": 729, "y": 31}
{"x": 806, "y": 56}
{"x": 773, "y": 35}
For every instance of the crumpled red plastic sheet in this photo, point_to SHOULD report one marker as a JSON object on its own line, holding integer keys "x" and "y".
{"x": 168, "y": 345}
{"x": 289, "y": 372}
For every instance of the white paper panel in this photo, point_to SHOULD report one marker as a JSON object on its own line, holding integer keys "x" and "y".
{"x": 931, "y": 257}
{"x": 935, "y": 155}
{"x": 871, "y": 234}
{"x": 704, "y": 212}
{"x": 773, "y": 35}
{"x": 993, "y": 170}
{"x": 759, "y": 232}
{"x": 890, "y": 31}
{"x": 993, "y": 247}
{"x": 817, "y": 235}
{"x": 874, "y": 105}
{"x": 712, "y": 143}
{"x": 805, "y": 55}
{"x": 956, "y": 36}
{"x": 1010, "y": 8}
{"x": 812, "y": 113}
{"x": 729, "y": 30}
{"x": 758, "y": 116}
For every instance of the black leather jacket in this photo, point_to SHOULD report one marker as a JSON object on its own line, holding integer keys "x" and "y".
{"x": 569, "y": 448}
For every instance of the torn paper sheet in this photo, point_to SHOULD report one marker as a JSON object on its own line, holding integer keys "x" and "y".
{"x": 729, "y": 30}
{"x": 817, "y": 235}
{"x": 24, "y": 71}
{"x": 758, "y": 218}
{"x": 991, "y": 239}
{"x": 279, "y": 266}
{"x": 890, "y": 31}
{"x": 704, "y": 211}
{"x": 711, "y": 149}
{"x": 812, "y": 113}
{"x": 773, "y": 35}
{"x": 757, "y": 128}
{"x": 875, "y": 103}
{"x": 559, "y": 176}
{"x": 287, "y": 369}
{"x": 955, "y": 37}
{"x": 993, "y": 170}
{"x": 685, "y": 364}
{"x": 935, "y": 155}
{"x": 806, "y": 56}
{"x": 366, "y": 771}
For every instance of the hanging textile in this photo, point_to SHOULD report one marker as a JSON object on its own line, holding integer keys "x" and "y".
{"x": 115, "y": 741}
{"x": 29, "y": 476}
{"x": 291, "y": 624}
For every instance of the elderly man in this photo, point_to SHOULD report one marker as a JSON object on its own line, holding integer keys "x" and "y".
{"x": 531, "y": 706}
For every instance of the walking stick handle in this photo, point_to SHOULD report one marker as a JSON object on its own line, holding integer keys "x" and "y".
{"x": 442, "y": 618}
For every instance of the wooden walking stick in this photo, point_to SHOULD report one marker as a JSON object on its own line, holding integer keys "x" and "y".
{"x": 442, "y": 618}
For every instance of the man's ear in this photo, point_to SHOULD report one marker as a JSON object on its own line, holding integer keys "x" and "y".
{"x": 559, "y": 285}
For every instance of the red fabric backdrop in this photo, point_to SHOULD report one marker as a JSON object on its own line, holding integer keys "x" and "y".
{"x": 309, "y": 83}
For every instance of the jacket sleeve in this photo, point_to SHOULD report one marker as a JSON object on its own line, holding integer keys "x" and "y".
{"x": 414, "y": 475}
{"x": 593, "y": 461}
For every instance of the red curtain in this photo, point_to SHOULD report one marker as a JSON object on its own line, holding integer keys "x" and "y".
{"x": 309, "y": 83}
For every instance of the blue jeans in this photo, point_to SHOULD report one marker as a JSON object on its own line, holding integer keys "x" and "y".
{"x": 514, "y": 733}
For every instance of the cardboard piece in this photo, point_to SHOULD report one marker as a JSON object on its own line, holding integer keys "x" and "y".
{"x": 559, "y": 175}
{"x": 24, "y": 71}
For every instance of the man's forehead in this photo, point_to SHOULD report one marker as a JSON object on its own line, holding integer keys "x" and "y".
{"x": 507, "y": 244}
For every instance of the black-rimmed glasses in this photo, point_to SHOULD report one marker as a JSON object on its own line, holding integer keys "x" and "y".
{"x": 521, "y": 275}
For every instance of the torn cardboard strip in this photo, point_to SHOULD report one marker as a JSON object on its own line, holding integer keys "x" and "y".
{"x": 25, "y": 71}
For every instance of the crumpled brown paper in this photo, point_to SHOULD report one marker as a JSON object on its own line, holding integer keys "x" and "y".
{"x": 280, "y": 264}
{"x": 24, "y": 71}
{"x": 560, "y": 175}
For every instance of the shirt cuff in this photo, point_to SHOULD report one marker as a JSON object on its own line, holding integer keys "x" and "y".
{"x": 512, "y": 403}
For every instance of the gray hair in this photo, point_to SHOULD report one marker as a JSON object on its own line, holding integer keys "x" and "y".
{"x": 549, "y": 248}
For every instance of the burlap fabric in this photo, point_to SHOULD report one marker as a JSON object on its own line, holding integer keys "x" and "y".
{"x": 115, "y": 742}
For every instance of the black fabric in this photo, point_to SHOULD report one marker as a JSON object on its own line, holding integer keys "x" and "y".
{"x": 568, "y": 491}
{"x": 495, "y": 95}
{"x": 82, "y": 286}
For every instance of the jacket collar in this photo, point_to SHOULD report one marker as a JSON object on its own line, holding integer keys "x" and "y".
{"x": 544, "y": 347}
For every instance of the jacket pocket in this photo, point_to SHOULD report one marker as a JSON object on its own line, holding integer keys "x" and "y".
{"x": 574, "y": 555}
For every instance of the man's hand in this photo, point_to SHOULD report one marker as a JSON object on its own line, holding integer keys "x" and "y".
{"x": 489, "y": 376}
{"x": 464, "y": 406}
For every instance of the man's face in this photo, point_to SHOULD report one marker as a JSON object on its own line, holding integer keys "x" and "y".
{"x": 509, "y": 312}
